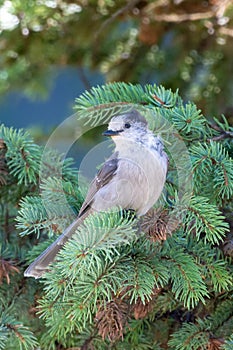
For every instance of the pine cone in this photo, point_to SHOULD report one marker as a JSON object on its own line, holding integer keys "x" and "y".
{"x": 215, "y": 344}
{"x": 111, "y": 319}
{"x": 141, "y": 310}
{"x": 157, "y": 224}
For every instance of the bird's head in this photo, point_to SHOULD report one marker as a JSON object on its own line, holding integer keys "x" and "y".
{"x": 127, "y": 125}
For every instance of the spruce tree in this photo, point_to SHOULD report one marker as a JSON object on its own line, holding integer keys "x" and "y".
{"x": 163, "y": 281}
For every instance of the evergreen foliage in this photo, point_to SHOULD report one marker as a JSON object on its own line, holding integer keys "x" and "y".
{"x": 160, "y": 282}
{"x": 183, "y": 43}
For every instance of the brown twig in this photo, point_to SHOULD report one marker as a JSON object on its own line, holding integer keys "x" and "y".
{"x": 226, "y": 31}
{"x": 176, "y": 18}
{"x": 216, "y": 10}
{"x": 116, "y": 14}
{"x": 223, "y": 133}
{"x": 222, "y": 136}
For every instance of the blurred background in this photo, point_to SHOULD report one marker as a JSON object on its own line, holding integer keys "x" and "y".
{"x": 53, "y": 50}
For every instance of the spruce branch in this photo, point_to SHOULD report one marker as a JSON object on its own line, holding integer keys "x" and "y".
{"x": 188, "y": 120}
{"x": 222, "y": 128}
{"x": 110, "y": 93}
{"x": 139, "y": 334}
{"x": 85, "y": 293}
{"x": 113, "y": 286}
{"x": 215, "y": 267}
{"x": 187, "y": 283}
{"x": 228, "y": 344}
{"x": 200, "y": 335}
{"x": 203, "y": 220}
{"x": 90, "y": 265}
{"x": 213, "y": 169}
{"x": 32, "y": 217}
{"x": 220, "y": 276}
{"x": 101, "y": 102}
{"x": 11, "y": 329}
{"x": 52, "y": 213}
{"x": 104, "y": 231}
{"x": 221, "y": 314}
{"x": 22, "y": 155}
{"x": 161, "y": 97}
{"x": 140, "y": 279}
{"x": 62, "y": 198}
{"x": 165, "y": 303}
{"x": 57, "y": 166}
{"x": 190, "y": 336}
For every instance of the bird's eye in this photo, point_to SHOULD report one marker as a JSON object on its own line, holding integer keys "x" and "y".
{"x": 127, "y": 125}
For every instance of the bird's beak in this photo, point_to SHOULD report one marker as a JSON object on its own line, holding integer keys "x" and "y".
{"x": 111, "y": 132}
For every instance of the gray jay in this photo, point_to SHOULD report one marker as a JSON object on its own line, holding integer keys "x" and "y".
{"x": 132, "y": 178}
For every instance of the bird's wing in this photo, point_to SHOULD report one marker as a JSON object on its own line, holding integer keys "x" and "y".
{"x": 105, "y": 174}
{"x": 102, "y": 178}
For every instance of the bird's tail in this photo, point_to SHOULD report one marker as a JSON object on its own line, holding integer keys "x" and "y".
{"x": 41, "y": 264}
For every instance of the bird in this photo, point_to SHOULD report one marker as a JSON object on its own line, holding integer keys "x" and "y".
{"x": 132, "y": 178}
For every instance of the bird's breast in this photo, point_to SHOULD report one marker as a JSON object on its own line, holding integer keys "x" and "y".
{"x": 141, "y": 176}
{"x": 137, "y": 182}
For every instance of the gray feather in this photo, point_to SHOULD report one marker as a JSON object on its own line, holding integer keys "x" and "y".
{"x": 41, "y": 264}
